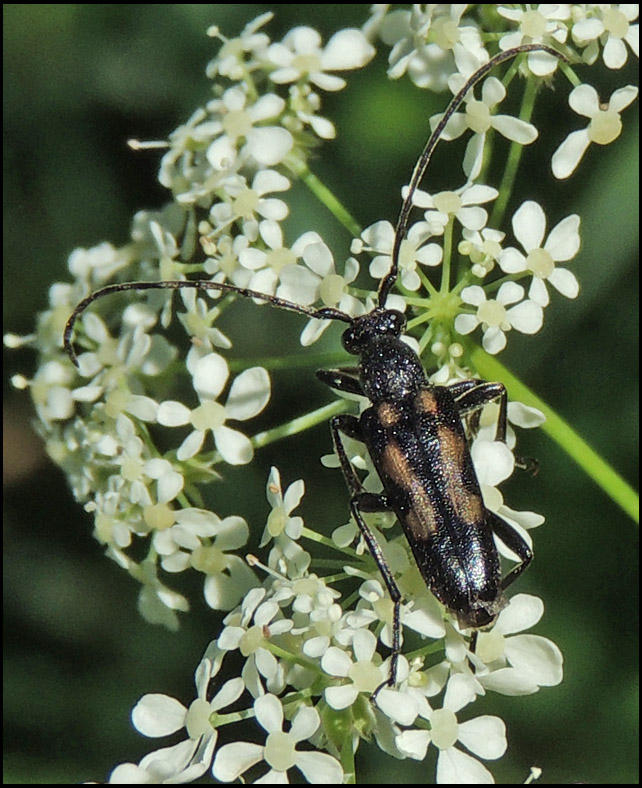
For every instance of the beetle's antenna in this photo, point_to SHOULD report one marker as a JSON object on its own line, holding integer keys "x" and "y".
{"x": 324, "y": 313}
{"x": 422, "y": 163}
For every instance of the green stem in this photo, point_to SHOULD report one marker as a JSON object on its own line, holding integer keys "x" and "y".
{"x": 299, "y": 361}
{"x": 294, "y": 426}
{"x": 563, "y": 434}
{"x": 325, "y": 196}
{"x": 514, "y": 157}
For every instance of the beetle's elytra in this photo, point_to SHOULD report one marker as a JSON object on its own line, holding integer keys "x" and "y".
{"x": 414, "y": 434}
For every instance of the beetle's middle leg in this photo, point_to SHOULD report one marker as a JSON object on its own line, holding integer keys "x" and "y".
{"x": 361, "y": 501}
{"x": 472, "y": 395}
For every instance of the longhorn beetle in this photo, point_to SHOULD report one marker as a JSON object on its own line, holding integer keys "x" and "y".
{"x": 413, "y": 431}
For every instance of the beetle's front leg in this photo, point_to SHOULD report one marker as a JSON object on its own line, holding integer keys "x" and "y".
{"x": 361, "y": 501}
{"x": 345, "y": 379}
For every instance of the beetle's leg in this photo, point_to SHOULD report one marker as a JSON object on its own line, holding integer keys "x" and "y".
{"x": 345, "y": 379}
{"x": 361, "y": 501}
{"x": 471, "y": 396}
{"x": 515, "y": 542}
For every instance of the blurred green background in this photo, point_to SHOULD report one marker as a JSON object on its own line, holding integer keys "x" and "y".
{"x": 80, "y": 80}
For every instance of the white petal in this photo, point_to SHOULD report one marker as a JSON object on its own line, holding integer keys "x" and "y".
{"x": 169, "y": 486}
{"x": 569, "y": 154}
{"x": 269, "y": 145}
{"x": 396, "y": 706}
{"x": 336, "y": 662}
{"x": 464, "y": 324}
{"x": 413, "y": 743}
{"x": 221, "y": 153}
{"x": 473, "y": 218}
{"x": 514, "y": 129}
{"x": 563, "y": 241}
{"x": 459, "y": 692}
{"x": 493, "y": 461}
{"x": 234, "y": 759}
{"x": 303, "y": 40}
{"x": 492, "y": 91}
{"x": 511, "y": 261}
{"x": 173, "y": 414}
{"x": 457, "y": 768}
{"x": 234, "y": 447}
{"x": 269, "y": 713}
{"x": 493, "y": 340}
{"x": 341, "y": 697}
{"x": 298, "y": 284}
{"x": 485, "y": 736}
{"x": 584, "y": 100}
{"x": 523, "y": 612}
{"x": 210, "y": 375}
{"x": 346, "y": 49}
{"x": 266, "y": 106}
{"x": 190, "y": 446}
{"x": 526, "y": 317}
{"x": 536, "y": 656}
{"x": 327, "y": 81}
{"x": 319, "y": 768}
{"x": 305, "y": 723}
{"x": 509, "y": 681}
{"x": 266, "y": 181}
{"x": 477, "y": 194}
{"x": 564, "y": 282}
{"x": 529, "y": 225}
{"x": 622, "y": 97}
{"x": 248, "y": 395}
{"x": 538, "y": 293}
{"x": 541, "y": 63}
{"x": 230, "y": 692}
{"x": 614, "y": 53}
{"x": 474, "y": 295}
{"x": 510, "y": 293}
{"x": 158, "y": 715}
{"x": 474, "y": 156}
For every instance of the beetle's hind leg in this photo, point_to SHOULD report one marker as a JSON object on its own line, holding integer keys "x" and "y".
{"x": 361, "y": 501}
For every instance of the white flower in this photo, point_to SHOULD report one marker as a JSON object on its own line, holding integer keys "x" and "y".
{"x": 430, "y": 42}
{"x": 318, "y": 280}
{"x": 414, "y": 250}
{"x": 562, "y": 243}
{"x": 249, "y": 630}
{"x": 267, "y": 264}
{"x": 609, "y": 25}
{"x": 279, "y": 520}
{"x": 364, "y": 674}
{"x": 495, "y": 316}
{"x": 605, "y": 125}
{"x": 266, "y": 145}
{"x": 517, "y": 664}
{"x": 477, "y": 116}
{"x": 158, "y": 715}
{"x": 543, "y": 25}
{"x": 484, "y": 736}
{"x": 462, "y": 204}
{"x": 279, "y": 751}
{"x": 301, "y": 57}
{"x": 483, "y": 247}
{"x": 231, "y": 59}
{"x": 248, "y": 395}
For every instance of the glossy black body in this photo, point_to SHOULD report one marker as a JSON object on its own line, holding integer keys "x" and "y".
{"x": 415, "y": 437}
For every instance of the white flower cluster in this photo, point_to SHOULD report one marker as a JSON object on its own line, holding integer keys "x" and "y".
{"x": 307, "y": 655}
{"x": 308, "y": 652}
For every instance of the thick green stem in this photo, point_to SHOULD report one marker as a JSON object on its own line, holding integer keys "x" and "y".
{"x": 563, "y": 434}
{"x": 294, "y": 426}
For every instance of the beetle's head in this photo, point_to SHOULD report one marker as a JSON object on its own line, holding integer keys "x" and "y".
{"x": 366, "y": 328}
